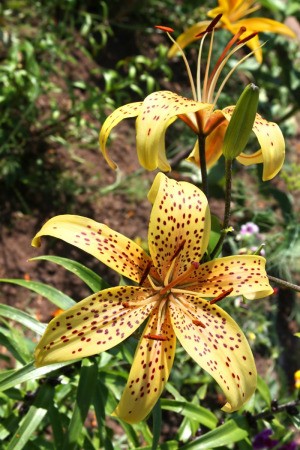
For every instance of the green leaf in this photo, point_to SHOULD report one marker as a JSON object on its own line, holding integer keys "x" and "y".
{"x": 194, "y": 412}
{"x": 157, "y": 424}
{"x": 55, "y": 296}
{"x": 28, "y": 372}
{"x": 94, "y": 281}
{"x": 85, "y": 392}
{"x": 30, "y": 423}
{"x": 215, "y": 233}
{"x": 224, "y": 435}
{"x": 264, "y": 390}
{"x": 25, "y": 319}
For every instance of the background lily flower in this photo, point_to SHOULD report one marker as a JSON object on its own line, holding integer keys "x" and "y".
{"x": 160, "y": 109}
{"x": 233, "y": 18}
{"x": 174, "y": 292}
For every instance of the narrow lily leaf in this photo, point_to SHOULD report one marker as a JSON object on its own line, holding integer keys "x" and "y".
{"x": 55, "y": 296}
{"x": 264, "y": 390}
{"x": 195, "y": 412}
{"x": 99, "y": 402}
{"x": 157, "y": 423}
{"x": 94, "y": 281}
{"x": 85, "y": 392}
{"x": 169, "y": 445}
{"x": 224, "y": 435}
{"x": 25, "y": 319}
{"x": 30, "y": 423}
{"x": 28, "y": 372}
{"x": 14, "y": 341}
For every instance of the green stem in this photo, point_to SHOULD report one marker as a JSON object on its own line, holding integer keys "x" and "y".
{"x": 203, "y": 168}
{"x": 228, "y": 186}
{"x": 284, "y": 283}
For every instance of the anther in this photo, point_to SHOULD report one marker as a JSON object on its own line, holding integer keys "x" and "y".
{"x": 145, "y": 273}
{"x": 198, "y": 323}
{"x": 246, "y": 39}
{"x": 221, "y": 296}
{"x": 156, "y": 337}
{"x": 163, "y": 28}
{"x": 180, "y": 247}
{"x": 210, "y": 27}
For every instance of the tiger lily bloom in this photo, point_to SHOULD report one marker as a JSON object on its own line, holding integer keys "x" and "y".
{"x": 160, "y": 109}
{"x": 174, "y": 291}
{"x": 234, "y": 14}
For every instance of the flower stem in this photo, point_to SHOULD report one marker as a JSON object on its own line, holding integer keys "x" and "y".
{"x": 203, "y": 168}
{"x": 284, "y": 283}
{"x": 224, "y": 231}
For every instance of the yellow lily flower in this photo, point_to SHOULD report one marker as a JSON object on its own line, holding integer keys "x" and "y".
{"x": 233, "y": 18}
{"x": 175, "y": 292}
{"x": 160, "y": 109}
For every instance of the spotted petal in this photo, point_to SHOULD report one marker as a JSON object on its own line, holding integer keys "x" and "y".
{"x": 158, "y": 111}
{"x": 180, "y": 219}
{"x": 97, "y": 239}
{"x": 149, "y": 373}
{"x": 244, "y": 274}
{"x": 272, "y": 151}
{"x": 93, "y": 325}
{"x": 220, "y": 348}
{"x": 124, "y": 112}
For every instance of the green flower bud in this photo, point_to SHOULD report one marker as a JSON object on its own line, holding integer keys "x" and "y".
{"x": 241, "y": 122}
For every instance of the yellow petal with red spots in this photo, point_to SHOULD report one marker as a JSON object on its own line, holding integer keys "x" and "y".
{"x": 244, "y": 274}
{"x": 93, "y": 325}
{"x": 149, "y": 373}
{"x": 97, "y": 239}
{"x": 219, "y": 347}
{"x": 179, "y": 224}
{"x": 272, "y": 151}
{"x": 124, "y": 112}
{"x": 158, "y": 111}
{"x": 188, "y": 37}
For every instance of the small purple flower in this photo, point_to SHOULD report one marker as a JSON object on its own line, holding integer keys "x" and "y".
{"x": 249, "y": 228}
{"x": 263, "y": 441}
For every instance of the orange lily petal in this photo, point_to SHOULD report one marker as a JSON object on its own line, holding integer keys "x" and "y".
{"x": 188, "y": 36}
{"x": 180, "y": 217}
{"x": 262, "y": 24}
{"x": 149, "y": 373}
{"x": 93, "y": 325}
{"x": 220, "y": 348}
{"x": 213, "y": 147}
{"x": 245, "y": 274}
{"x": 272, "y": 151}
{"x": 158, "y": 111}
{"x": 97, "y": 239}
{"x": 124, "y": 112}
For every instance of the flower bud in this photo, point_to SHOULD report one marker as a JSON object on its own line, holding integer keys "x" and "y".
{"x": 241, "y": 122}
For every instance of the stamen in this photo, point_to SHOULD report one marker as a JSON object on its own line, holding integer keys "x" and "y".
{"x": 194, "y": 266}
{"x": 146, "y": 273}
{"x": 211, "y": 26}
{"x": 163, "y": 28}
{"x": 186, "y": 307}
{"x": 180, "y": 247}
{"x": 232, "y": 70}
{"x": 198, "y": 323}
{"x": 221, "y": 296}
{"x": 206, "y": 80}
{"x": 156, "y": 337}
{"x": 184, "y": 59}
{"x": 221, "y": 58}
{"x": 248, "y": 38}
